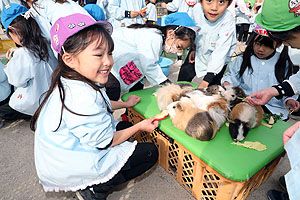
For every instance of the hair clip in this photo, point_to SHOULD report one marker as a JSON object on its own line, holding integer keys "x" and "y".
{"x": 177, "y": 28}
{"x": 27, "y": 14}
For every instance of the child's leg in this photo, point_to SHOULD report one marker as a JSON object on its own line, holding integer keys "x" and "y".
{"x": 187, "y": 71}
{"x": 245, "y": 32}
{"x": 142, "y": 159}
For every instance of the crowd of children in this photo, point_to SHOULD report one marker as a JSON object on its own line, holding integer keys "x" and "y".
{"x": 74, "y": 58}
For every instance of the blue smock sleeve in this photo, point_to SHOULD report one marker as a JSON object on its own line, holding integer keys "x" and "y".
{"x": 19, "y": 68}
{"x": 225, "y": 42}
{"x": 115, "y": 10}
{"x": 232, "y": 76}
{"x": 4, "y": 85}
{"x": 149, "y": 53}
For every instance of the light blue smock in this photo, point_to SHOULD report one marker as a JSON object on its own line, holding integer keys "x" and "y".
{"x": 215, "y": 42}
{"x": 4, "y": 85}
{"x": 263, "y": 76}
{"x": 151, "y": 12}
{"x": 49, "y": 12}
{"x": 104, "y": 5}
{"x": 68, "y": 159}
{"x": 292, "y": 178}
{"x": 31, "y": 77}
{"x": 180, "y": 6}
{"x": 117, "y": 8}
{"x": 241, "y": 17}
{"x": 142, "y": 46}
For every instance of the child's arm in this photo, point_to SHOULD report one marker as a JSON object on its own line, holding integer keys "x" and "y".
{"x": 225, "y": 44}
{"x": 131, "y": 101}
{"x": 146, "y": 125}
{"x": 119, "y": 13}
{"x": 232, "y": 76}
{"x": 171, "y": 6}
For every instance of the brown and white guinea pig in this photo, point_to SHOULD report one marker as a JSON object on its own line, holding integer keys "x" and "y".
{"x": 215, "y": 90}
{"x": 232, "y": 93}
{"x": 215, "y": 105}
{"x": 170, "y": 93}
{"x": 242, "y": 118}
{"x": 195, "y": 122}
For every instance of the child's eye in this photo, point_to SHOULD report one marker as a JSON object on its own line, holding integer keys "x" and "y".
{"x": 110, "y": 53}
{"x": 221, "y": 2}
{"x": 99, "y": 55}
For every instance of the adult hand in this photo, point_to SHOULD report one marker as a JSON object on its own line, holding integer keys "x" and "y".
{"x": 287, "y": 135}
{"x": 203, "y": 84}
{"x": 134, "y": 14}
{"x": 163, "y": 5}
{"x": 148, "y": 124}
{"x": 192, "y": 57}
{"x": 262, "y": 97}
{"x": 132, "y": 100}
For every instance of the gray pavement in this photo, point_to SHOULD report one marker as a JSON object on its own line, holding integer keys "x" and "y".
{"x": 18, "y": 179}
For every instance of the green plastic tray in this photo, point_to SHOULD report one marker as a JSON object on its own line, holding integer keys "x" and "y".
{"x": 233, "y": 162}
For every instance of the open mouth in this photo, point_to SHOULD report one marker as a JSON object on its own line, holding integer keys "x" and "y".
{"x": 103, "y": 71}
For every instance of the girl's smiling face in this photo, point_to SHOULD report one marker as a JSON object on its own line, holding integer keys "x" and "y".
{"x": 214, "y": 9}
{"x": 94, "y": 62}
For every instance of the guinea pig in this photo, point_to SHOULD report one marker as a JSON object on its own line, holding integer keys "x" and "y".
{"x": 215, "y": 105}
{"x": 215, "y": 90}
{"x": 242, "y": 118}
{"x": 170, "y": 93}
{"x": 195, "y": 122}
{"x": 233, "y": 95}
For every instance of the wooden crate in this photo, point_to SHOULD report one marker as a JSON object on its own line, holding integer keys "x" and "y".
{"x": 199, "y": 179}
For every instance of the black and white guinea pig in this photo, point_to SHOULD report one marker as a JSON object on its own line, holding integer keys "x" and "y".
{"x": 242, "y": 118}
{"x": 215, "y": 90}
{"x": 232, "y": 93}
{"x": 195, "y": 122}
{"x": 170, "y": 93}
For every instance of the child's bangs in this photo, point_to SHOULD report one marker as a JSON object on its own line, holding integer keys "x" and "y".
{"x": 266, "y": 41}
{"x": 101, "y": 37}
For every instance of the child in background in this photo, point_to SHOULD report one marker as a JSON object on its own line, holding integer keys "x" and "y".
{"x": 28, "y": 70}
{"x": 77, "y": 144}
{"x": 215, "y": 43}
{"x": 243, "y": 21}
{"x": 136, "y": 57}
{"x": 123, "y": 13}
{"x": 95, "y": 11}
{"x": 151, "y": 12}
{"x": 261, "y": 66}
{"x": 180, "y": 6}
{"x": 104, "y": 5}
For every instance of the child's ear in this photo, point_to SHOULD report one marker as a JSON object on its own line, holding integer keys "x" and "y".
{"x": 69, "y": 60}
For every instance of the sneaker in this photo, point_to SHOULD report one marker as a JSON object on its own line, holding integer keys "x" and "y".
{"x": 85, "y": 194}
{"x": 1, "y": 122}
{"x": 277, "y": 195}
{"x": 282, "y": 183}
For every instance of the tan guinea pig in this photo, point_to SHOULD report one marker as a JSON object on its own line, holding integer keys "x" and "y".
{"x": 195, "y": 122}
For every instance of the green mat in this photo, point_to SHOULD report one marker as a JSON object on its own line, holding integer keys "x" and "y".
{"x": 233, "y": 162}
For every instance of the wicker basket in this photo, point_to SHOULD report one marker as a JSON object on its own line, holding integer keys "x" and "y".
{"x": 199, "y": 179}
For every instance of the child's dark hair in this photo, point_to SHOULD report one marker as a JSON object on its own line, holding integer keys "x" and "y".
{"x": 229, "y": 1}
{"x": 284, "y": 35}
{"x": 280, "y": 67}
{"x": 31, "y": 36}
{"x": 182, "y": 33}
{"x": 74, "y": 45}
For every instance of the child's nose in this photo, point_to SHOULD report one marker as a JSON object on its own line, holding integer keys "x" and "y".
{"x": 214, "y": 5}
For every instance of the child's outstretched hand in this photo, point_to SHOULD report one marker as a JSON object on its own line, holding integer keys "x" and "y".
{"x": 292, "y": 104}
{"x": 288, "y": 134}
{"x": 132, "y": 100}
{"x": 148, "y": 124}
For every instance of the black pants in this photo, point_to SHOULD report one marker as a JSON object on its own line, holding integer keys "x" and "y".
{"x": 143, "y": 158}
{"x": 113, "y": 88}
{"x": 187, "y": 72}
{"x": 243, "y": 32}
